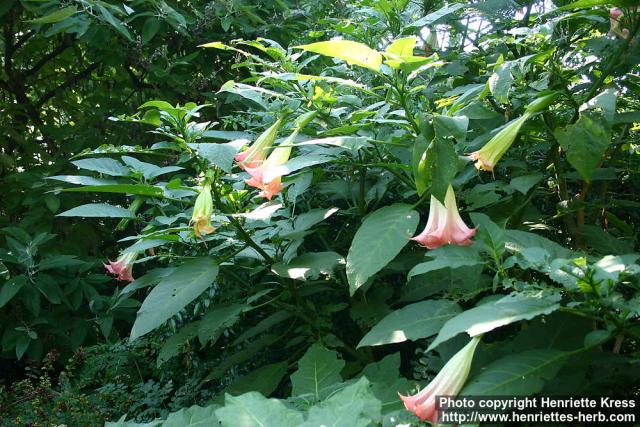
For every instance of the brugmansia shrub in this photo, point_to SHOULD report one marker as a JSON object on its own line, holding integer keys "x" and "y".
{"x": 281, "y": 244}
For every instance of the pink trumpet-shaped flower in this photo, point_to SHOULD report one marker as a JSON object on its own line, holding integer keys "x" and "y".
{"x": 615, "y": 16}
{"x": 444, "y": 226}
{"x": 268, "y": 176}
{"x": 448, "y": 382}
{"x": 255, "y": 155}
{"x": 122, "y": 268}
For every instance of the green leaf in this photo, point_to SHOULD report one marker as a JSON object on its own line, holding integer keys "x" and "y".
{"x": 220, "y": 155}
{"x": 627, "y": 117}
{"x": 103, "y": 165}
{"x": 262, "y": 326}
{"x": 353, "y": 406}
{"x": 585, "y": 142}
{"x": 253, "y": 93}
{"x": 490, "y": 234}
{"x": 157, "y": 103}
{"x": 486, "y": 317}
{"x": 449, "y": 256}
{"x": 22, "y": 344}
{"x": 98, "y": 210}
{"x": 137, "y": 189}
{"x": 296, "y": 164}
{"x": 318, "y": 371}
{"x": 57, "y": 16}
{"x": 10, "y": 288}
{"x": 402, "y": 47}
{"x": 217, "y": 320}
{"x": 439, "y": 165}
{"x": 263, "y": 380}
{"x": 59, "y": 261}
{"x": 254, "y": 410}
{"x": 379, "y": 239}
{"x": 437, "y": 16}
{"x": 309, "y": 265}
{"x": 525, "y": 182}
{"x": 148, "y": 170}
{"x": 521, "y": 374}
{"x": 353, "y": 143}
{"x": 150, "y": 29}
{"x": 352, "y": 52}
{"x": 144, "y": 244}
{"x": 82, "y": 180}
{"x": 114, "y": 22}
{"x": 387, "y": 382}
{"x": 415, "y": 321}
{"x": 500, "y": 83}
{"x": 195, "y": 416}
{"x": 583, "y": 4}
{"x": 518, "y": 241}
{"x": 455, "y": 127}
{"x": 172, "y": 346}
{"x": 173, "y": 293}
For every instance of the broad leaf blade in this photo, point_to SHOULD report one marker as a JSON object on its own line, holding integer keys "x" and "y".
{"x": 486, "y": 317}
{"x": 173, "y": 293}
{"x": 379, "y": 239}
{"x": 98, "y": 210}
{"x": 352, "y": 52}
{"x": 253, "y": 409}
{"x": 415, "y": 321}
{"x": 318, "y": 370}
{"x": 517, "y": 374}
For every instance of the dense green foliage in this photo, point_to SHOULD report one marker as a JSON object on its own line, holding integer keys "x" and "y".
{"x": 356, "y": 127}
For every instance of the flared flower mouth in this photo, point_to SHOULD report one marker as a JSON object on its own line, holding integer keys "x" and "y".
{"x": 481, "y": 161}
{"x": 487, "y": 157}
{"x": 256, "y": 154}
{"x": 445, "y": 226}
{"x": 448, "y": 382}
{"x": 268, "y": 176}
{"x": 122, "y": 268}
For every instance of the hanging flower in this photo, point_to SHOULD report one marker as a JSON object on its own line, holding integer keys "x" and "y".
{"x": 122, "y": 268}
{"x": 487, "y": 157}
{"x": 448, "y": 382}
{"x": 268, "y": 176}
{"x": 202, "y": 211}
{"x": 257, "y": 152}
{"x": 615, "y": 23}
{"x": 445, "y": 226}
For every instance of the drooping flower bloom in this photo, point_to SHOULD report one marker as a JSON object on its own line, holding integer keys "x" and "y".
{"x": 487, "y": 157}
{"x": 445, "y": 226}
{"x": 202, "y": 210}
{"x": 268, "y": 176}
{"x": 448, "y": 382}
{"x": 615, "y": 14}
{"x": 615, "y": 20}
{"x": 122, "y": 268}
{"x": 256, "y": 154}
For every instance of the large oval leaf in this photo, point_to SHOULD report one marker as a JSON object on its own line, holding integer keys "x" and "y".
{"x": 318, "y": 370}
{"x": 379, "y": 239}
{"x": 99, "y": 210}
{"x": 486, "y": 317}
{"x": 173, "y": 293}
{"x": 353, "y": 52}
{"x": 412, "y": 322}
{"x": 517, "y": 374}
